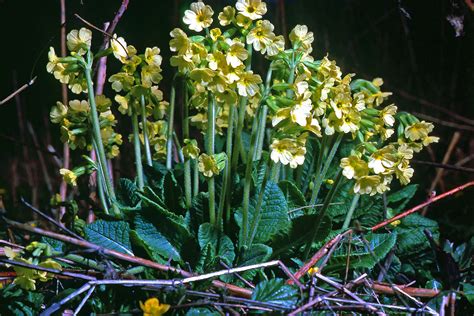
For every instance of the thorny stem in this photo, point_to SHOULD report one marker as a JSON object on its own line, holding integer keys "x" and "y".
{"x": 211, "y": 130}
{"x": 97, "y": 135}
{"x": 136, "y": 146}
{"x": 145, "y": 132}
{"x": 169, "y": 140}
{"x": 348, "y": 219}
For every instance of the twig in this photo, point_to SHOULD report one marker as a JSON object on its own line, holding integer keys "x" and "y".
{"x": 84, "y": 300}
{"x": 56, "y": 306}
{"x": 422, "y": 205}
{"x": 401, "y": 308}
{"x": 249, "y": 284}
{"x": 317, "y": 256}
{"x": 115, "y": 21}
{"x": 19, "y": 90}
{"x": 443, "y": 166}
{"x": 439, "y": 172}
{"x": 384, "y": 288}
{"x": 51, "y": 220}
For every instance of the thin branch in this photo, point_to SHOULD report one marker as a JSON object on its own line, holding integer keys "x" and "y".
{"x": 422, "y": 205}
{"x": 115, "y": 21}
{"x": 18, "y": 91}
{"x": 384, "y": 288}
{"x": 443, "y": 166}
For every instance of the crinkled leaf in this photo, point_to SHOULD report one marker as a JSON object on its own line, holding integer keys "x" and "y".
{"x": 273, "y": 214}
{"x": 148, "y": 236}
{"x": 276, "y": 291}
{"x": 257, "y": 253}
{"x": 222, "y": 247}
{"x": 294, "y": 197}
{"x": 403, "y": 196}
{"x": 202, "y": 312}
{"x": 127, "y": 192}
{"x": 114, "y": 235}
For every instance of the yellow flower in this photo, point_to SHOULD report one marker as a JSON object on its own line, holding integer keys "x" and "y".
{"x": 123, "y": 104}
{"x": 354, "y": 167}
{"x": 199, "y": 17}
{"x": 387, "y": 114}
{"x": 236, "y": 54}
{"x": 350, "y": 121}
{"x": 243, "y": 21}
{"x": 190, "y": 149}
{"x": 79, "y": 41}
{"x": 382, "y": 159}
{"x": 276, "y": 46}
{"x": 289, "y": 151}
{"x": 261, "y": 36}
{"x": 58, "y": 112}
{"x": 313, "y": 270}
{"x": 253, "y": 9}
{"x": 153, "y": 57}
{"x": 418, "y": 130}
{"x": 183, "y": 62}
{"x": 301, "y": 111}
{"x": 153, "y": 307}
{"x": 404, "y": 172}
{"x": 207, "y": 165}
{"x": 300, "y": 35}
{"x": 430, "y": 139}
{"x": 119, "y": 48}
{"x": 202, "y": 75}
{"x": 122, "y": 81}
{"x": 150, "y": 74}
{"x": 68, "y": 176}
{"x": 79, "y": 105}
{"x": 180, "y": 42}
{"x": 226, "y": 16}
{"x": 367, "y": 185}
{"x": 248, "y": 84}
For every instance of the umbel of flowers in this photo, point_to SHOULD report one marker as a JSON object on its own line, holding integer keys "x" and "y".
{"x": 300, "y": 101}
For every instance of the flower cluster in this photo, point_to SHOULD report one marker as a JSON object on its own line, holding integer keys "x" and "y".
{"x": 138, "y": 82}
{"x": 215, "y": 64}
{"x": 33, "y": 254}
{"x": 66, "y": 69}
{"x": 73, "y": 120}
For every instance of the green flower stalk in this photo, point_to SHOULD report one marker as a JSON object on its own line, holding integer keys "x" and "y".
{"x": 137, "y": 149}
{"x": 97, "y": 135}
{"x": 210, "y": 140}
{"x": 169, "y": 141}
{"x": 146, "y": 140}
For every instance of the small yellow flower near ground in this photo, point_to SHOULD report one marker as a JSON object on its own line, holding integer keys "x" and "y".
{"x": 153, "y": 307}
{"x": 226, "y": 16}
{"x": 190, "y": 149}
{"x": 198, "y": 17}
{"x": 313, "y": 270}
{"x": 396, "y": 223}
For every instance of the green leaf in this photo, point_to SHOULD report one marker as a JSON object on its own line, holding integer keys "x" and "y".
{"x": 201, "y": 311}
{"x": 468, "y": 292}
{"x": 360, "y": 256}
{"x": 293, "y": 195}
{"x": 257, "y": 253}
{"x": 56, "y": 245}
{"x": 273, "y": 214}
{"x": 127, "y": 192}
{"x": 222, "y": 247}
{"x": 404, "y": 196}
{"x": 301, "y": 231}
{"x": 276, "y": 291}
{"x": 411, "y": 238}
{"x": 171, "y": 193}
{"x": 259, "y": 169}
{"x": 148, "y": 236}
{"x": 110, "y": 234}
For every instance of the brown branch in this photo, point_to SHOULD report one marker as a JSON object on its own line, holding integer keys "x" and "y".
{"x": 442, "y": 165}
{"x": 385, "y": 288}
{"x": 445, "y": 123}
{"x": 422, "y": 205}
{"x": 18, "y": 91}
{"x": 115, "y": 21}
{"x": 236, "y": 290}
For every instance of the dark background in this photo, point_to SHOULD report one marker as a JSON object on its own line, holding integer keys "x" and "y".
{"x": 425, "y": 60}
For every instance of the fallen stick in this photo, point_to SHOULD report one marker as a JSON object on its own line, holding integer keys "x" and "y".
{"x": 384, "y": 288}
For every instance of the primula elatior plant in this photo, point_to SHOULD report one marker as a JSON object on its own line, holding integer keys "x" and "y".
{"x": 258, "y": 166}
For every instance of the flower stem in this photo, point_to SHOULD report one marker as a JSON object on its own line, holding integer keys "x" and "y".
{"x": 321, "y": 174}
{"x": 248, "y": 178}
{"x": 354, "y": 202}
{"x": 263, "y": 114}
{"x": 169, "y": 140}
{"x": 145, "y": 132}
{"x": 136, "y": 147}
{"x": 211, "y": 130}
{"x": 322, "y": 212}
{"x": 100, "y": 182}
{"x": 97, "y": 135}
{"x": 225, "y": 193}
{"x": 187, "y": 163}
{"x": 195, "y": 178}
{"x": 256, "y": 217}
